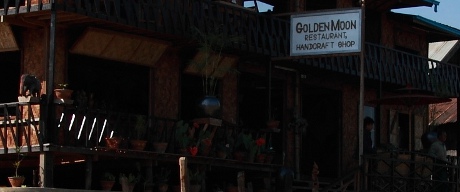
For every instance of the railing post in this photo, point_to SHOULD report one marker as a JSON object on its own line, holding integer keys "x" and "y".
{"x": 365, "y": 168}
{"x": 46, "y": 169}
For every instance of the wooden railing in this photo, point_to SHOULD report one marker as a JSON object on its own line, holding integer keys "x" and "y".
{"x": 406, "y": 171}
{"x": 89, "y": 128}
{"x": 260, "y": 33}
{"x": 19, "y": 127}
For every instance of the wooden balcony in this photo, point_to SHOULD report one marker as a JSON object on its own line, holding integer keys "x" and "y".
{"x": 79, "y": 133}
{"x": 262, "y": 34}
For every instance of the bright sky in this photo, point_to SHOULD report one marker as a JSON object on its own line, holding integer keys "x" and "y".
{"x": 448, "y": 11}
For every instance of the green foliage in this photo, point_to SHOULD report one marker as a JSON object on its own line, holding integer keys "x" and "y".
{"x": 20, "y": 157}
{"x": 63, "y": 85}
{"x": 162, "y": 175}
{"x": 196, "y": 176}
{"x": 140, "y": 128}
{"x": 130, "y": 178}
{"x": 244, "y": 141}
{"x": 182, "y": 137}
{"x": 212, "y": 45}
{"x": 108, "y": 177}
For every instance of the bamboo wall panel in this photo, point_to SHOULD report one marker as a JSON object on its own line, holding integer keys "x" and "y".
{"x": 166, "y": 86}
{"x": 230, "y": 98}
{"x": 119, "y": 47}
{"x": 7, "y": 39}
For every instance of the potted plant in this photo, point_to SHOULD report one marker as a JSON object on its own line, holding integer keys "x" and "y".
{"x": 128, "y": 182}
{"x": 17, "y": 180}
{"x": 208, "y": 64}
{"x": 107, "y": 181}
{"x": 243, "y": 145}
{"x": 161, "y": 179}
{"x": 196, "y": 177}
{"x": 183, "y": 138}
{"x": 259, "y": 145}
{"x": 113, "y": 143}
{"x": 140, "y": 128}
{"x": 62, "y": 92}
{"x": 159, "y": 135}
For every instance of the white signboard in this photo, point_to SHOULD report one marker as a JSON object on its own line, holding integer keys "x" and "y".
{"x": 326, "y": 32}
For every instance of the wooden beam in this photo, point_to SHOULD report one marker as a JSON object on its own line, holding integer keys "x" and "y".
{"x": 46, "y": 169}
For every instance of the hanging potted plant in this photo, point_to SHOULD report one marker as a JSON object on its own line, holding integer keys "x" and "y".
{"x": 107, "y": 181}
{"x": 139, "y": 142}
{"x": 17, "y": 180}
{"x": 209, "y": 64}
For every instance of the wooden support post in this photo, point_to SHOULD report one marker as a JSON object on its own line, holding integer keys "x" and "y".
{"x": 88, "y": 171}
{"x": 240, "y": 179}
{"x": 148, "y": 167}
{"x": 183, "y": 174}
{"x": 46, "y": 169}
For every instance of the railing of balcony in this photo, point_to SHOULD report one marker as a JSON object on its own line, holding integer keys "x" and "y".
{"x": 19, "y": 127}
{"x": 89, "y": 129}
{"x": 393, "y": 66}
{"x": 260, "y": 33}
{"x": 409, "y": 171}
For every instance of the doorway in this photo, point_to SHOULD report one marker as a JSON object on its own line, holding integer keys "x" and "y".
{"x": 113, "y": 85}
{"x": 11, "y": 67}
{"x": 321, "y": 108}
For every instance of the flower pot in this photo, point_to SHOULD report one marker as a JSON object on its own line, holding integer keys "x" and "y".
{"x": 269, "y": 158}
{"x": 273, "y": 124}
{"x": 160, "y": 147}
{"x": 63, "y": 93}
{"x": 113, "y": 143}
{"x": 205, "y": 147}
{"x": 16, "y": 181}
{"x": 239, "y": 155}
{"x": 138, "y": 145}
{"x": 232, "y": 189}
{"x": 261, "y": 158}
{"x": 126, "y": 186}
{"x": 221, "y": 154}
{"x": 195, "y": 188}
{"x": 162, "y": 187}
{"x": 106, "y": 185}
{"x": 209, "y": 106}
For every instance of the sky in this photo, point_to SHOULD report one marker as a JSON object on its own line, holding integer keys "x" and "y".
{"x": 448, "y": 12}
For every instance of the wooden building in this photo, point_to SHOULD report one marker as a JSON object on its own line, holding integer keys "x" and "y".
{"x": 125, "y": 58}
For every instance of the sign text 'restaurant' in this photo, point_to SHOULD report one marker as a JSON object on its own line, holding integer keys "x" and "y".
{"x": 326, "y": 32}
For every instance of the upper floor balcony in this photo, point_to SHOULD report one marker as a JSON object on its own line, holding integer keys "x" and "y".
{"x": 261, "y": 33}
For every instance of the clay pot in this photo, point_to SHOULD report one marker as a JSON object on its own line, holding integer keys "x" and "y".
{"x": 160, "y": 147}
{"x": 113, "y": 143}
{"x": 16, "y": 181}
{"x": 63, "y": 93}
{"x": 261, "y": 158}
{"x": 107, "y": 185}
{"x": 138, "y": 145}
{"x": 239, "y": 155}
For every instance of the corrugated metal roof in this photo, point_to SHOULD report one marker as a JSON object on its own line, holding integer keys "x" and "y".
{"x": 436, "y": 25}
{"x": 439, "y": 50}
{"x": 443, "y": 112}
{"x": 436, "y": 31}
